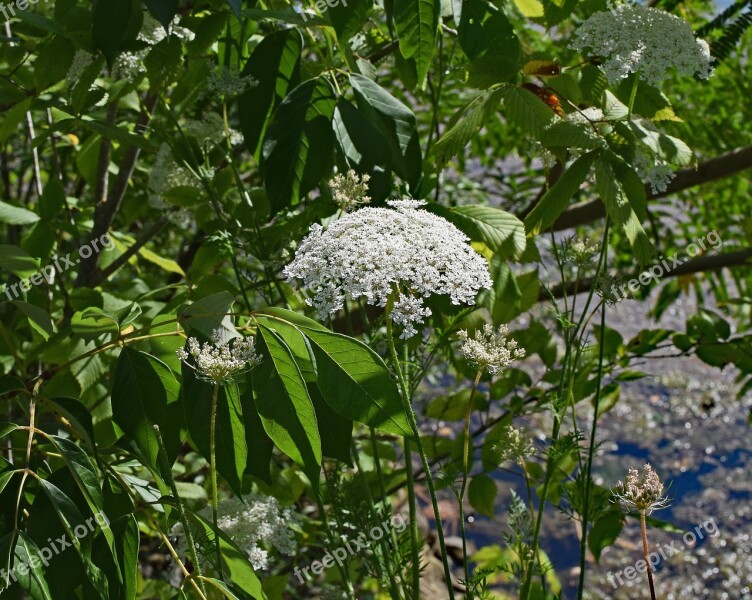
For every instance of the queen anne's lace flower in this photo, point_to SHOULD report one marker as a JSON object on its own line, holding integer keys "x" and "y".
{"x": 644, "y": 40}
{"x": 220, "y": 361}
{"x": 351, "y": 190}
{"x": 653, "y": 171}
{"x": 378, "y": 253}
{"x": 642, "y": 491}
{"x": 257, "y": 526}
{"x": 490, "y": 350}
{"x": 228, "y": 82}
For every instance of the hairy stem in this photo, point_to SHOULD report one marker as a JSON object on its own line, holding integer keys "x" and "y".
{"x": 646, "y": 552}
{"x": 213, "y": 473}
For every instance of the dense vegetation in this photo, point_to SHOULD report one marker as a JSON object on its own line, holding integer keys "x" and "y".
{"x": 224, "y": 345}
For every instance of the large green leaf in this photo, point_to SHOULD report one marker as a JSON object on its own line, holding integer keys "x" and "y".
{"x": 482, "y": 494}
{"x": 283, "y": 403}
{"x": 299, "y": 144}
{"x": 72, "y": 519}
{"x": 15, "y": 260}
{"x": 396, "y": 122}
{"x": 501, "y": 231}
{"x": 31, "y": 579}
{"x": 231, "y": 448}
{"x": 77, "y": 415}
{"x": 163, "y": 10}
{"x": 466, "y": 124}
{"x": 275, "y": 67}
{"x": 348, "y": 17}
{"x": 113, "y": 23}
{"x": 144, "y": 394}
{"x": 416, "y": 23}
{"x": 207, "y": 314}
{"x": 356, "y": 383}
{"x": 527, "y": 111}
{"x": 557, "y": 197}
{"x": 336, "y": 431}
{"x": 623, "y": 194}
{"x": 16, "y": 215}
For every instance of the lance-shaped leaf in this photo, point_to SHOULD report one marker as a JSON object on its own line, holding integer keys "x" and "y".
{"x": 501, "y": 231}
{"x": 283, "y": 403}
{"x": 299, "y": 144}
{"x": 417, "y": 23}
{"x": 144, "y": 394}
{"x": 356, "y": 383}
{"x": 558, "y": 196}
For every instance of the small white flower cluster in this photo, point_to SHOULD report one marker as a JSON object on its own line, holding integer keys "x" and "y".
{"x": 513, "y": 445}
{"x": 211, "y": 128}
{"x": 130, "y": 65}
{"x": 490, "y": 350}
{"x": 642, "y": 491}
{"x": 167, "y": 175}
{"x": 256, "y": 525}
{"x": 81, "y": 61}
{"x": 351, "y": 190}
{"x": 653, "y": 171}
{"x": 228, "y": 82}
{"x": 401, "y": 253}
{"x": 644, "y": 40}
{"x": 219, "y": 361}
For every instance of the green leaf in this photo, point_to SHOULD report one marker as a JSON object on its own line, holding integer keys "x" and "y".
{"x": 532, "y": 9}
{"x": 31, "y": 579}
{"x": 299, "y": 143}
{"x": 283, "y": 403}
{"x": 231, "y": 448}
{"x": 275, "y": 65}
{"x": 72, "y": 519}
{"x": 15, "y": 260}
{"x": 336, "y": 432}
{"x": 74, "y": 411}
{"x": 466, "y": 124}
{"x": 557, "y": 197}
{"x": 234, "y": 560}
{"x": 527, "y": 111}
{"x": 164, "y": 62}
{"x": 260, "y": 445}
{"x": 207, "y": 314}
{"x": 482, "y": 494}
{"x": 356, "y": 383}
{"x": 87, "y": 480}
{"x": 501, "y": 231}
{"x": 126, "y": 529}
{"x": 416, "y": 23}
{"x": 623, "y": 194}
{"x": 237, "y": 7}
{"x": 297, "y": 343}
{"x": 396, "y": 122}
{"x": 114, "y": 23}
{"x": 15, "y": 215}
{"x": 163, "y": 10}
{"x": 605, "y": 531}
{"x": 39, "y": 319}
{"x": 144, "y": 394}
{"x": 348, "y": 17}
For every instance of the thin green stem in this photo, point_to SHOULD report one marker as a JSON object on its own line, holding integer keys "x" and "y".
{"x": 167, "y": 473}
{"x": 646, "y": 553}
{"x": 422, "y": 452}
{"x": 465, "y": 473}
{"x": 633, "y": 94}
{"x": 343, "y": 573}
{"x": 591, "y": 452}
{"x": 213, "y": 473}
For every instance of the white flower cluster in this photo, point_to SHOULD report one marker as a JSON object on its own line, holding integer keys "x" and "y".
{"x": 644, "y": 40}
{"x": 642, "y": 491}
{"x": 228, "y": 82}
{"x": 490, "y": 350}
{"x": 130, "y": 65}
{"x": 167, "y": 175}
{"x": 513, "y": 445}
{"x": 81, "y": 61}
{"x": 220, "y": 361}
{"x": 211, "y": 128}
{"x": 256, "y": 526}
{"x": 351, "y": 190}
{"x": 377, "y": 253}
{"x": 653, "y": 171}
